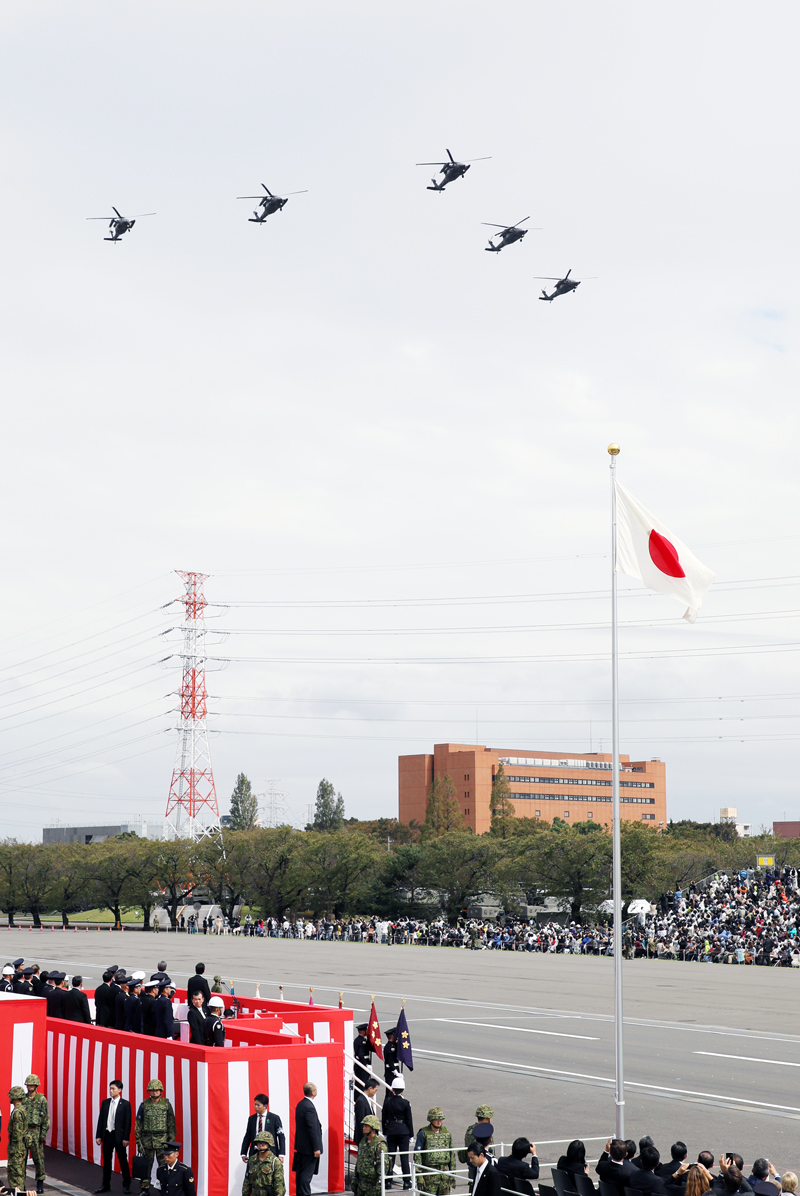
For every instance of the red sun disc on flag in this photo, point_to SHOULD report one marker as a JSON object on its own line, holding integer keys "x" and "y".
{"x": 664, "y": 556}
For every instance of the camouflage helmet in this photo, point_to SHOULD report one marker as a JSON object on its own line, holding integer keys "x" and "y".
{"x": 33, "y": 1080}
{"x": 372, "y": 1122}
{"x": 17, "y": 1093}
{"x": 155, "y": 1086}
{"x": 484, "y": 1111}
{"x": 265, "y": 1136}
{"x": 436, "y": 1114}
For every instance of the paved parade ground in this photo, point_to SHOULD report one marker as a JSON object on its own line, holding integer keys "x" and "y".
{"x": 712, "y": 1051}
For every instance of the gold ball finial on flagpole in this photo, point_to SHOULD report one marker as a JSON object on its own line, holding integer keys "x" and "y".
{"x": 613, "y": 450}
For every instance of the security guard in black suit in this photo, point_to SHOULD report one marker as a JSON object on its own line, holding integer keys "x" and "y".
{"x": 362, "y": 1051}
{"x": 174, "y": 1178}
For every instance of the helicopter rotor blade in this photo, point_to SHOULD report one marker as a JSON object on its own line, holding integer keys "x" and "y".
{"x": 140, "y": 214}
{"x": 566, "y": 276}
{"x": 450, "y": 156}
{"x": 249, "y": 196}
{"x": 114, "y": 209}
{"x": 269, "y": 193}
{"x": 519, "y": 222}
{"x": 488, "y": 224}
{"x": 99, "y": 217}
{"x": 431, "y": 163}
{"x": 298, "y": 192}
{"x": 479, "y": 159}
{"x": 546, "y": 278}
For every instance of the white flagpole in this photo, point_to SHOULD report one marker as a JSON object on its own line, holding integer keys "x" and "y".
{"x": 619, "y": 1083}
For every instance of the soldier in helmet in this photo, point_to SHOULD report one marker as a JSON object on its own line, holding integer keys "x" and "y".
{"x": 483, "y": 1116}
{"x": 155, "y": 1125}
{"x": 38, "y": 1124}
{"x": 435, "y": 1155}
{"x": 371, "y": 1150}
{"x": 17, "y": 1139}
{"x": 264, "y": 1174}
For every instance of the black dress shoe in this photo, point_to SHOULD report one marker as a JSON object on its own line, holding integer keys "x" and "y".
{"x": 98, "y": 1190}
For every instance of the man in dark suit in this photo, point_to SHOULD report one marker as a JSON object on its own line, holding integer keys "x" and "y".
{"x": 764, "y": 1177}
{"x": 76, "y": 1003}
{"x": 55, "y": 996}
{"x": 196, "y": 1018}
{"x": 120, "y": 997}
{"x": 644, "y": 1178}
{"x": 104, "y": 1002}
{"x": 133, "y": 1008}
{"x": 198, "y": 983}
{"x": 262, "y": 1119}
{"x": 678, "y": 1151}
{"x": 165, "y": 1021}
{"x": 307, "y": 1140}
{"x": 613, "y": 1166}
{"x": 365, "y": 1107}
{"x": 148, "y": 1000}
{"x": 488, "y": 1180}
{"x": 520, "y": 1169}
{"x": 645, "y": 1141}
{"x": 113, "y": 1133}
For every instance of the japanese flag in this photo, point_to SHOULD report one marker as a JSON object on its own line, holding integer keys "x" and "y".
{"x": 648, "y": 550}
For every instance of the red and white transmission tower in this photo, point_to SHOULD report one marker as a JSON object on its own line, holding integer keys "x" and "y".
{"x": 192, "y": 810}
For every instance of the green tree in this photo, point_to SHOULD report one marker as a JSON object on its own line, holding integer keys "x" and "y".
{"x": 397, "y": 888}
{"x": 244, "y": 806}
{"x": 222, "y": 864}
{"x": 339, "y": 866}
{"x": 501, "y": 806}
{"x": 273, "y": 869}
{"x": 573, "y": 864}
{"x": 329, "y": 809}
{"x": 72, "y": 879}
{"x": 176, "y": 872}
{"x": 458, "y": 867}
{"x": 443, "y": 813}
{"x": 38, "y": 875}
{"x": 142, "y": 891}
{"x": 113, "y": 866}
{"x": 11, "y": 896}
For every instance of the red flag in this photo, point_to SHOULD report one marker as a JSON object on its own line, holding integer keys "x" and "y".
{"x": 374, "y": 1032}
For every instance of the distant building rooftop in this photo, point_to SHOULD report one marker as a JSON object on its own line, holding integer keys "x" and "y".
{"x": 145, "y": 828}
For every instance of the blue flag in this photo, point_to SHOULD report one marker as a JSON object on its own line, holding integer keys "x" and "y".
{"x": 403, "y": 1040}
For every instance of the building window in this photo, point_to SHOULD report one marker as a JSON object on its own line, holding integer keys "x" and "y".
{"x": 466, "y": 794}
{"x": 466, "y": 776}
{"x": 589, "y": 814}
{"x": 466, "y": 811}
{"x": 566, "y": 813}
{"x": 648, "y": 817}
{"x": 537, "y": 813}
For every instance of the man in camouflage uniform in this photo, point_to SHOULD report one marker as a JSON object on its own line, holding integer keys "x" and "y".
{"x": 38, "y": 1124}
{"x": 371, "y": 1149}
{"x": 437, "y": 1143}
{"x": 17, "y": 1139}
{"x": 155, "y": 1126}
{"x": 264, "y": 1174}
{"x": 483, "y": 1113}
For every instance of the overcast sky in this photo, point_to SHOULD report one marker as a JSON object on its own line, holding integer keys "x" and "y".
{"x": 359, "y": 423}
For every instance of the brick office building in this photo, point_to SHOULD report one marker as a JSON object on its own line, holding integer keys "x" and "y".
{"x": 543, "y": 785}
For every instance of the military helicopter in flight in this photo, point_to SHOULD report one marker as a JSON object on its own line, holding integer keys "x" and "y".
{"x": 563, "y": 285}
{"x": 268, "y": 204}
{"x": 510, "y": 233}
{"x": 451, "y": 170}
{"x": 119, "y": 225}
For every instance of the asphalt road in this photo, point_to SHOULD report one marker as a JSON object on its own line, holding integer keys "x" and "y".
{"x": 712, "y": 1053}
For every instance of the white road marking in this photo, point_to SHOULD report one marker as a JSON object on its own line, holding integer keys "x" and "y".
{"x": 457, "y": 1021}
{"x": 747, "y": 1058}
{"x": 556, "y": 1072}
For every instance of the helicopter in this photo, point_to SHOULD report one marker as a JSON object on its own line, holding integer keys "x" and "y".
{"x": 118, "y": 225}
{"x": 563, "y": 285}
{"x": 268, "y": 203}
{"x": 508, "y": 236}
{"x": 451, "y": 170}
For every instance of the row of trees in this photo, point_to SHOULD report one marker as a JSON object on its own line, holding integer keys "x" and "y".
{"x": 349, "y": 870}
